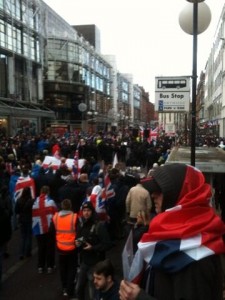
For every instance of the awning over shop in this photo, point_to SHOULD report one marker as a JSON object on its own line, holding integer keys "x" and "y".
{"x": 19, "y": 108}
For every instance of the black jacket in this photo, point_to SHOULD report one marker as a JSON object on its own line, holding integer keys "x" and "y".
{"x": 111, "y": 294}
{"x": 95, "y": 233}
{"x": 201, "y": 280}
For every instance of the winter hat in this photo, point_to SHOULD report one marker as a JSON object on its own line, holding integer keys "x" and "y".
{"x": 151, "y": 185}
{"x": 88, "y": 205}
{"x": 169, "y": 178}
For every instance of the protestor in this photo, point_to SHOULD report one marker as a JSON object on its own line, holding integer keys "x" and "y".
{"x": 24, "y": 181}
{"x": 5, "y": 225}
{"x": 23, "y": 209}
{"x": 98, "y": 202}
{"x": 93, "y": 241}
{"x": 138, "y": 198}
{"x": 116, "y": 194}
{"x": 43, "y": 211}
{"x": 65, "y": 228}
{"x": 106, "y": 286}
{"x": 151, "y": 171}
{"x": 12, "y": 183}
{"x": 183, "y": 244}
{"x": 75, "y": 190}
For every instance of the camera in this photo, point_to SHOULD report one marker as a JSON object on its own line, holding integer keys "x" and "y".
{"x": 81, "y": 241}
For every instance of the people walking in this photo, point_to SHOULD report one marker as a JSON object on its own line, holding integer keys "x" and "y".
{"x": 64, "y": 223}
{"x": 43, "y": 211}
{"x": 92, "y": 241}
{"x": 23, "y": 209}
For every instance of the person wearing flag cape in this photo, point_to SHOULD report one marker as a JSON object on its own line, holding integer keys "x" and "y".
{"x": 183, "y": 247}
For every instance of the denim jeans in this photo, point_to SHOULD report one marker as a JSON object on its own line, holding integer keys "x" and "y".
{"x": 85, "y": 286}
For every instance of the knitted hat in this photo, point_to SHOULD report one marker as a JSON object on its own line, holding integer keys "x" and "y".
{"x": 169, "y": 179}
{"x": 151, "y": 185}
{"x": 88, "y": 205}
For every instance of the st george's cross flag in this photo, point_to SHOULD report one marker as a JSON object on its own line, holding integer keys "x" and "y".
{"x": 43, "y": 211}
{"x": 187, "y": 232}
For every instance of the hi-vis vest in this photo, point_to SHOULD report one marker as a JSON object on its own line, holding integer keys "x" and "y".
{"x": 65, "y": 231}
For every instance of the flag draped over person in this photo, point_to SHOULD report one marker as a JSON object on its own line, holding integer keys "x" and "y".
{"x": 42, "y": 212}
{"x": 21, "y": 183}
{"x": 187, "y": 232}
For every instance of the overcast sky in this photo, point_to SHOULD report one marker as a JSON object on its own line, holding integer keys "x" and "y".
{"x": 144, "y": 35}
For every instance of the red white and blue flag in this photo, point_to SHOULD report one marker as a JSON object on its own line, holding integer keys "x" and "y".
{"x": 108, "y": 190}
{"x": 43, "y": 211}
{"x": 188, "y": 232}
{"x": 22, "y": 183}
{"x": 98, "y": 201}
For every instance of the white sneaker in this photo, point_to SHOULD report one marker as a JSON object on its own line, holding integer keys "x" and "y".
{"x": 65, "y": 293}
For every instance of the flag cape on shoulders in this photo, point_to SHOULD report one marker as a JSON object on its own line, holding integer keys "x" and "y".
{"x": 188, "y": 232}
{"x": 43, "y": 210}
{"x": 22, "y": 183}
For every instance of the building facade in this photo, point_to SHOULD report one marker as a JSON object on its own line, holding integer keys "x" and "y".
{"x": 21, "y": 63}
{"x": 56, "y": 74}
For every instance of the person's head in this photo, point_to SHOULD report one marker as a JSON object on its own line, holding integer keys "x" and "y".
{"x": 45, "y": 190}
{"x": 171, "y": 182}
{"x": 103, "y": 275}
{"x": 66, "y": 204}
{"x": 83, "y": 178}
{"x": 87, "y": 210}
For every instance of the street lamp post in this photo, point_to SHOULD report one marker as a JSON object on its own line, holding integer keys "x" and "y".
{"x": 194, "y": 19}
{"x": 93, "y": 114}
{"x": 82, "y": 108}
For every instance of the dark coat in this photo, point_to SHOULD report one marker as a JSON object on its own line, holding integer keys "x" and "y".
{"x": 23, "y": 208}
{"x": 111, "y": 294}
{"x": 95, "y": 233}
{"x": 5, "y": 217}
{"x": 74, "y": 191}
{"x": 201, "y": 280}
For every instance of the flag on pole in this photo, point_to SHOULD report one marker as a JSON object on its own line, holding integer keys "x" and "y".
{"x": 127, "y": 255}
{"x": 108, "y": 190}
{"x": 76, "y": 164}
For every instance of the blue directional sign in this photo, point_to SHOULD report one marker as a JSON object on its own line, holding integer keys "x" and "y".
{"x": 160, "y": 105}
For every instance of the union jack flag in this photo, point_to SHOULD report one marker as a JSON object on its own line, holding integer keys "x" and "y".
{"x": 187, "y": 232}
{"x": 43, "y": 210}
{"x": 21, "y": 183}
{"x": 108, "y": 190}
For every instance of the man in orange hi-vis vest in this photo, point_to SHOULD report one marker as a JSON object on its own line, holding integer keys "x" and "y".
{"x": 65, "y": 227}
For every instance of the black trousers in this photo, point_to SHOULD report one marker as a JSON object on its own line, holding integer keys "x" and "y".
{"x": 46, "y": 250}
{"x": 68, "y": 270}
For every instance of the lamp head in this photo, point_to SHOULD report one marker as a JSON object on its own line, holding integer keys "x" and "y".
{"x": 195, "y": 1}
{"x": 186, "y": 17}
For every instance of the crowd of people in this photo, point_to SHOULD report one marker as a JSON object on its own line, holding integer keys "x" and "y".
{"x": 82, "y": 211}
